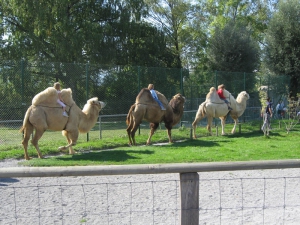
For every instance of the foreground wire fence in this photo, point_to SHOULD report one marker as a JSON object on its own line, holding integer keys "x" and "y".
{"x": 153, "y": 194}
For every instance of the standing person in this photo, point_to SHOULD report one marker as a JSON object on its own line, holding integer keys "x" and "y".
{"x": 279, "y": 109}
{"x": 268, "y": 113}
{"x": 221, "y": 88}
{"x": 154, "y": 95}
{"x": 59, "y": 99}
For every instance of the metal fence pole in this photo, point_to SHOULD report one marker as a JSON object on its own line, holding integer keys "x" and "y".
{"x": 87, "y": 90}
{"x": 216, "y": 79}
{"x": 100, "y": 129}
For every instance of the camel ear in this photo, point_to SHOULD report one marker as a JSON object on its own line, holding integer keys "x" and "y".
{"x": 69, "y": 90}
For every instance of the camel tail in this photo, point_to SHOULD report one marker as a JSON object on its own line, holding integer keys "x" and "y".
{"x": 26, "y": 120}
{"x": 128, "y": 118}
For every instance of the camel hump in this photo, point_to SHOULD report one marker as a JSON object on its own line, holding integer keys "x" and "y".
{"x": 162, "y": 98}
{"x": 66, "y": 95}
{"x": 49, "y": 97}
{"x": 212, "y": 96}
{"x": 226, "y": 93}
{"x": 145, "y": 97}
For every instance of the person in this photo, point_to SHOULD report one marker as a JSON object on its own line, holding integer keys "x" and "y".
{"x": 154, "y": 95}
{"x": 279, "y": 109}
{"x": 267, "y": 114}
{"x": 59, "y": 99}
{"x": 221, "y": 88}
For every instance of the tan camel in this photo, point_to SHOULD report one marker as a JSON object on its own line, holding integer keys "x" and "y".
{"x": 214, "y": 107}
{"x": 146, "y": 108}
{"x": 46, "y": 114}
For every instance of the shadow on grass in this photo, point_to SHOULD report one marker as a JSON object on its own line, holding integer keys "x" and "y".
{"x": 253, "y": 134}
{"x": 106, "y": 155}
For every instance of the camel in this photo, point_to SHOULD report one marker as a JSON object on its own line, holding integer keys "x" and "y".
{"x": 146, "y": 108}
{"x": 46, "y": 114}
{"x": 214, "y": 107}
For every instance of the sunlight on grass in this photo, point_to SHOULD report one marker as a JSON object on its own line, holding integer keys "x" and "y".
{"x": 250, "y": 144}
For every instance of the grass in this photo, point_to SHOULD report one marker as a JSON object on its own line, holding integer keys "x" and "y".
{"x": 251, "y": 144}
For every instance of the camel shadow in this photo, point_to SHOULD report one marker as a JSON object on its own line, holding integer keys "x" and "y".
{"x": 106, "y": 155}
{"x": 254, "y": 134}
{"x": 193, "y": 142}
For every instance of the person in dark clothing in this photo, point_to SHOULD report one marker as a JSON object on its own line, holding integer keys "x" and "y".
{"x": 267, "y": 114}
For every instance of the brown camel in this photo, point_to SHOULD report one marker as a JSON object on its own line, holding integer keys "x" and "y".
{"x": 146, "y": 108}
{"x": 46, "y": 114}
{"x": 214, "y": 107}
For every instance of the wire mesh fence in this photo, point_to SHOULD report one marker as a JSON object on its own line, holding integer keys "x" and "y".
{"x": 118, "y": 86}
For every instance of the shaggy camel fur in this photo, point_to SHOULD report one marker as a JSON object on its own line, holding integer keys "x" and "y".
{"x": 146, "y": 108}
{"x": 46, "y": 114}
{"x": 214, "y": 107}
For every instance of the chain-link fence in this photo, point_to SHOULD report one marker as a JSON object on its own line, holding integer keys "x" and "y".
{"x": 118, "y": 86}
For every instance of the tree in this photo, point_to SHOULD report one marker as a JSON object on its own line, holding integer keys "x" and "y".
{"x": 282, "y": 52}
{"x": 251, "y": 14}
{"x": 173, "y": 17}
{"x": 102, "y": 32}
{"x": 232, "y": 49}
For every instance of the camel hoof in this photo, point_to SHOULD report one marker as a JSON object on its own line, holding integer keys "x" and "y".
{"x": 61, "y": 148}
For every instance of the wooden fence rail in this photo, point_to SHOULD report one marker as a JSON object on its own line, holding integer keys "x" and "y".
{"x": 189, "y": 178}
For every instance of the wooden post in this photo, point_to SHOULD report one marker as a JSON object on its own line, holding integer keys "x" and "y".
{"x": 217, "y": 132}
{"x": 240, "y": 128}
{"x": 189, "y": 190}
{"x": 191, "y": 133}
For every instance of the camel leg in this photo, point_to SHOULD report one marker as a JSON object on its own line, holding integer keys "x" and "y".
{"x": 234, "y": 127}
{"x": 27, "y": 132}
{"x": 153, "y": 127}
{"x": 196, "y": 121}
{"x": 36, "y": 137}
{"x": 71, "y": 151}
{"x": 72, "y": 138}
{"x": 209, "y": 124}
{"x": 223, "y": 124}
{"x": 129, "y": 132}
{"x": 169, "y": 129}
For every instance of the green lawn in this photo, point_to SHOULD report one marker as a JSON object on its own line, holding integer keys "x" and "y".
{"x": 248, "y": 145}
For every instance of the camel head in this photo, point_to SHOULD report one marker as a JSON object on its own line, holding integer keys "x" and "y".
{"x": 177, "y": 103}
{"x": 242, "y": 95}
{"x": 94, "y": 102}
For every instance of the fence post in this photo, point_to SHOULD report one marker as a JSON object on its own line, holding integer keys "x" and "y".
{"x": 87, "y": 91}
{"x": 216, "y": 79}
{"x": 100, "y": 128}
{"x": 244, "y": 81}
{"x": 181, "y": 82}
{"x": 189, "y": 190}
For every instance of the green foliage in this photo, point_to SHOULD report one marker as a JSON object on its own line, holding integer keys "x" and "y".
{"x": 232, "y": 49}
{"x": 83, "y": 31}
{"x": 250, "y": 14}
{"x": 283, "y": 43}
